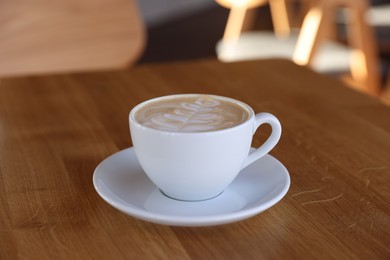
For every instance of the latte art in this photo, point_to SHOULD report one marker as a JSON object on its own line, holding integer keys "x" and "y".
{"x": 198, "y": 113}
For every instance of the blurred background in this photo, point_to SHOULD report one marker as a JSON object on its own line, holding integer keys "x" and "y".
{"x": 348, "y": 39}
{"x": 185, "y": 30}
{"x": 191, "y": 29}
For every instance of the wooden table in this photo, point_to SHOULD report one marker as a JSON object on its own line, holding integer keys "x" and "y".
{"x": 55, "y": 130}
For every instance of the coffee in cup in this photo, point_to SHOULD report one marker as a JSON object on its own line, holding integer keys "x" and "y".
{"x": 198, "y": 113}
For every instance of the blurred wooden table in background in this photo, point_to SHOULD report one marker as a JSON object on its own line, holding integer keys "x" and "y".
{"x": 54, "y": 131}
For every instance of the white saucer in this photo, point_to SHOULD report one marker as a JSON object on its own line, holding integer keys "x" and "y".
{"x": 121, "y": 182}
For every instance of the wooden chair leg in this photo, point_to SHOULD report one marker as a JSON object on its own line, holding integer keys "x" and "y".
{"x": 241, "y": 17}
{"x": 315, "y": 27}
{"x": 235, "y": 23}
{"x": 280, "y": 17}
{"x": 365, "y": 66}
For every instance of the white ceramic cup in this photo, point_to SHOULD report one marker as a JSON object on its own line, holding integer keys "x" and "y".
{"x": 195, "y": 166}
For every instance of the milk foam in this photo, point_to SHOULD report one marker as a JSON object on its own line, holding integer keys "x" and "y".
{"x": 198, "y": 113}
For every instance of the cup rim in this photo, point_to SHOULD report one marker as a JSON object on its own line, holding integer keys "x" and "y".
{"x": 235, "y": 101}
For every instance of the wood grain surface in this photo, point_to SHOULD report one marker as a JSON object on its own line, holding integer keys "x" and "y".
{"x": 42, "y": 36}
{"x": 55, "y": 130}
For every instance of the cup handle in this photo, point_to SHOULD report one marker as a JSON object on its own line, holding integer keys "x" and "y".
{"x": 273, "y": 139}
